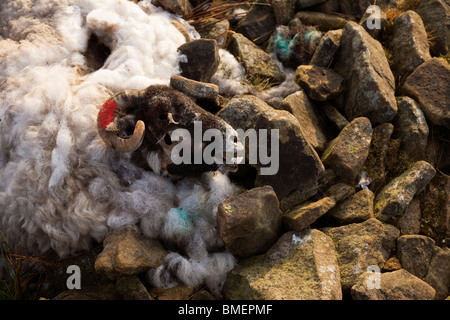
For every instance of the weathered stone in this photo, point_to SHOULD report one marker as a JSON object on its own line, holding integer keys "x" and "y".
{"x": 131, "y": 288}
{"x": 361, "y": 60}
{"x": 284, "y": 11}
{"x": 392, "y": 264}
{"x": 182, "y": 28}
{"x": 203, "y": 295}
{"x": 200, "y": 92}
{"x": 200, "y": 59}
{"x": 373, "y": 21}
{"x": 56, "y": 272}
{"x": 375, "y": 165}
{"x": 356, "y": 208}
{"x": 250, "y": 222}
{"x": 100, "y": 292}
{"x": 327, "y": 48}
{"x": 434, "y": 201}
{"x": 259, "y": 23}
{"x": 301, "y": 4}
{"x": 300, "y": 266}
{"x": 216, "y": 30}
{"x": 428, "y": 85}
{"x": 414, "y": 252}
{"x": 340, "y": 191}
{"x": 394, "y": 198}
{"x": 178, "y": 292}
{"x": 179, "y": 7}
{"x": 335, "y": 117}
{"x": 411, "y": 128}
{"x": 346, "y": 153}
{"x": 302, "y": 108}
{"x": 299, "y": 167}
{"x": 438, "y": 275}
{"x": 323, "y": 21}
{"x": 409, "y": 43}
{"x": 257, "y": 63}
{"x": 409, "y": 223}
{"x": 396, "y": 285}
{"x": 128, "y": 252}
{"x": 303, "y": 215}
{"x": 360, "y": 246}
{"x": 319, "y": 83}
{"x": 436, "y": 17}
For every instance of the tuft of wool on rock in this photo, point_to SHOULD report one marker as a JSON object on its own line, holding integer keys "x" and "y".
{"x": 61, "y": 187}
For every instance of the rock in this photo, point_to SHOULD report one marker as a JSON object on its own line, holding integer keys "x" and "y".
{"x": 284, "y": 11}
{"x": 340, "y": 191}
{"x": 409, "y": 223}
{"x": 131, "y": 288}
{"x": 409, "y": 43}
{"x": 303, "y": 109}
{"x": 335, "y": 117}
{"x": 411, "y": 128}
{"x": 356, "y": 208}
{"x": 394, "y": 198}
{"x": 434, "y": 201}
{"x": 361, "y": 60}
{"x": 438, "y": 275}
{"x": 327, "y": 48}
{"x": 392, "y": 264}
{"x": 299, "y": 166}
{"x": 179, "y": 7}
{"x": 216, "y": 30}
{"x": 375, "y": 165}
{"x": 201, "y": 59}
{"x": 203, "y": 295}
{"x": 436, "y": 17}
{"x": 301, "y": 4}
{"x": 323, "y": 21}
{"x": 320, "y": 83}
{"x": 204, "y": 94}
{"x": 396, "y": 285}
{"x": 100, "y": 292}
{"x": 303, "y": 215}
{"x": 300, "y": 266}
{"x": 373, "y": 21}
{"x": 182, "y": 28}
{"x": 414, "y": 253}
{"x": 250, "y": 222}
{"x": 128, "y": 252}
{"x": 179, "y": 292}
{"x": 346, "y": 153}
{"x": 257, "y": 63}
{"x": 259, "y": 23}
{"x": 360, "y": 246}
{"x": 428, "y": 85}
{"x": 57, "y": 275}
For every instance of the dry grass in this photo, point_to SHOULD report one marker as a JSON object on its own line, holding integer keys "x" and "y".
{"x": 207, "y": 13}
{"x": 18, "y": 275}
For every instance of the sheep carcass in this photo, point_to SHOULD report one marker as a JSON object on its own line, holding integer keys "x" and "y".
{"x": 61, "y": 186}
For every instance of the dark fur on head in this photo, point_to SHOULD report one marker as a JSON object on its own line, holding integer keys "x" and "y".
{"x": 163, "y": 110}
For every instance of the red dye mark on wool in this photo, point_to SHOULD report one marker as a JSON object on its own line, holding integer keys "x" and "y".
{"x": 106, "y": 114}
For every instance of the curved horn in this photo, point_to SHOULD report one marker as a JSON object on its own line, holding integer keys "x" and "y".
{"x": 107, "y": 128}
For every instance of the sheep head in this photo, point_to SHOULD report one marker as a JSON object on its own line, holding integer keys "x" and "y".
{"x": 145, "y": 120}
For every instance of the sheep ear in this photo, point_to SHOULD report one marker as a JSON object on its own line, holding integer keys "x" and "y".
{"x": 107, "y": 128}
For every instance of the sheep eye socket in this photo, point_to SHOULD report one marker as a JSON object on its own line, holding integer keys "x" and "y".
{"x": 167, "y": 140}
{"x": 162, "y": 116}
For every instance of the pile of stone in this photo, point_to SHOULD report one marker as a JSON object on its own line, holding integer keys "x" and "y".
{"x": 360, "y": 205}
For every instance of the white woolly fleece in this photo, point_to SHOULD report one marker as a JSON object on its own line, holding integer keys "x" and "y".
{"x": 61, "y": 187}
